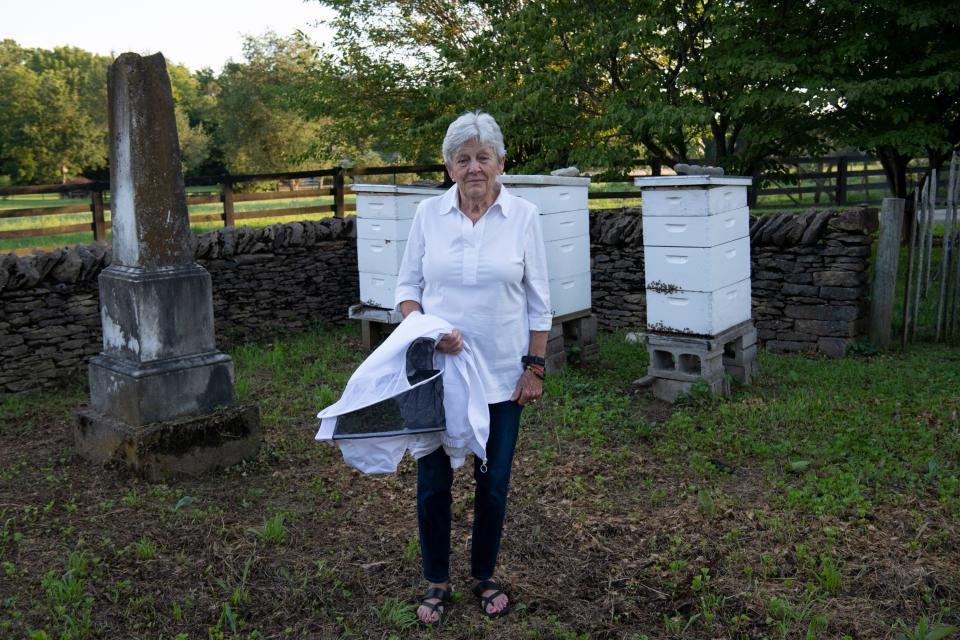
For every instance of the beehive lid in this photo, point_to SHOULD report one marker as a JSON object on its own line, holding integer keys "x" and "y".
{"x": 543, "y": 181}
{"x": 658, "y": 182}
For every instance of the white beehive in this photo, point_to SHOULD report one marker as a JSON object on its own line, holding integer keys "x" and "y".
{"x": 699, "y": 312}
{"x": 698, "y": 268}
{"x": 565, "y": 221}
{"x": 384, "y": 216}
{"x": 379, "y": 256}
{"x": 703, "y": 231}
{"x": 390, "y": 202}
{"x": 696, "y": 252}
{"x": 687, "y": 198}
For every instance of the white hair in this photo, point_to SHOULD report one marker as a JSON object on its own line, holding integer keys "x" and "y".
{"x": 475, "y": 125}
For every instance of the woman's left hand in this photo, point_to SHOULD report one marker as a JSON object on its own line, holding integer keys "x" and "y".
{"x": 529, "y": 389}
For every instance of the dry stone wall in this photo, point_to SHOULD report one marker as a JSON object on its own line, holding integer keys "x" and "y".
{"x": 808, "y": 275}
{"x": 616, "y": 256}
{"x": 809, "y": 286}
{"x": 809, "y": 279}
{"x": 265, "y": 281}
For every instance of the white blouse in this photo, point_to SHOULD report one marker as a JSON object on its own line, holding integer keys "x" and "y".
{"x": 489, "y": 280}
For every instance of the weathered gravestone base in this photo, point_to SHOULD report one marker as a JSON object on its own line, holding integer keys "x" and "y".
{"x": 159, "y": 451}
{"x": 162, "y": 399}
{"x": 159, "y": 360}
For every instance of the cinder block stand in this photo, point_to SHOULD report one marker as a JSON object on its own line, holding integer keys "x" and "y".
{"x": 678, "y": 362}
{"x": 573, "y": 335}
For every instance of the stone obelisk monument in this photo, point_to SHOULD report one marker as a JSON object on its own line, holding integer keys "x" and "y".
{"x": 161, "y": 395}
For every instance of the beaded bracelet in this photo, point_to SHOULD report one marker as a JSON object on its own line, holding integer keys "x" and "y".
{"x": 536, "y": 370}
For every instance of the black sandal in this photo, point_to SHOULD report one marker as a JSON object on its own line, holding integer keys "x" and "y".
{"x": 487, "y": 585}
{"x": 437, "y": 607}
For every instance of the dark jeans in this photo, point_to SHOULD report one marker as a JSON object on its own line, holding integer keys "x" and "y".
{"x": 434, "y": 481}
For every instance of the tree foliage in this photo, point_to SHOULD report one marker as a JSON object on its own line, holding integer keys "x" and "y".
{"x": 259, "y": 127}
{"x": 743, "y": 83}
{"x": 889, "y": 73}
{"x": 598, "y": 83}
{"x": 53, "y": 110}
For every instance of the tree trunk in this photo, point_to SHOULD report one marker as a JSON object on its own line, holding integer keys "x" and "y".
{"x": 753, "y": 191}
{"x": 895, "y": 169}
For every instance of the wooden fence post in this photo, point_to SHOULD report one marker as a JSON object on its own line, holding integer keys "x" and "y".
{"x": 99, "y": 223}
{"x": 842, "y": 180}
{"x": 885, "y": 272}
{"x": 338, "y": 192}
{"x": 818, "y": 182}
{"x": 227, "y": 197}
{"x": 866, "y": 180}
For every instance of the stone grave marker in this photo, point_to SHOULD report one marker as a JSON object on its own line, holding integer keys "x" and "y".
{"x": 162, "y": 397}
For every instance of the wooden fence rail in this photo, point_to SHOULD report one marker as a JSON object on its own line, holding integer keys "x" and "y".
{"x": 830, "y": 181}
{"x": 222, "y": 191}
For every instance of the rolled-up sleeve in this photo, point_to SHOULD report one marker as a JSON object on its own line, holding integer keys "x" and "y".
{"x": 536, "y": 280}
{"x": 410, "y": 277}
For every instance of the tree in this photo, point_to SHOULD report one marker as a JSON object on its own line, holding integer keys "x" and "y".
{"x": 259, "y": 126}
{"x": 888, "y": 74}
{"x": 54, "y": 110}
{"x": 598, "y": 83}
{"x": 53, "y": 104}
{"x": 193, "y": 110}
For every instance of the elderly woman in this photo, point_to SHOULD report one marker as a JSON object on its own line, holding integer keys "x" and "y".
{"x": 475, "y": 258}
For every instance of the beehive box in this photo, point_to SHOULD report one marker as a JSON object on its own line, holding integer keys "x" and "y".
{"x": 565, "y": 221}
{"x": 698, "y": 312}
{"x": 698, "y": 268}
{"x": 692, "y": 195}
{"x": 702, "y": 231}
{"x": 384, "y": 216}
{"x": 551, "y": 194}
{"x": 390, "y": 202}
{"x": 696, "y": 252}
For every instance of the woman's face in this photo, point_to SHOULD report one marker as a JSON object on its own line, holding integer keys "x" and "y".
{"x": 475, "y": 168}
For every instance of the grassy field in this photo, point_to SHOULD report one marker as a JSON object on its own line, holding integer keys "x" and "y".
{"x": 822, "y": 502}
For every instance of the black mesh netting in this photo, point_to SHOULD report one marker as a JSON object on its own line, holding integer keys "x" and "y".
{"x": 419, "y": 410}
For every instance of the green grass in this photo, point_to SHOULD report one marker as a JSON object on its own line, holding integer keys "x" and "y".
{"x": 834, "y": 437}
{"x": 871, "y": 436}
{"x": 68, "y": 600}
{"x": 786, "y": 511}
{"x": 273, "y": 530}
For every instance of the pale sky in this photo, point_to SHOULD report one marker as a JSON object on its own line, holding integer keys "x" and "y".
{"x": 196, "y": 33}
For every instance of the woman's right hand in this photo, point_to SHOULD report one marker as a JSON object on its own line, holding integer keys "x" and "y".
{"x": 451, "y": 343}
